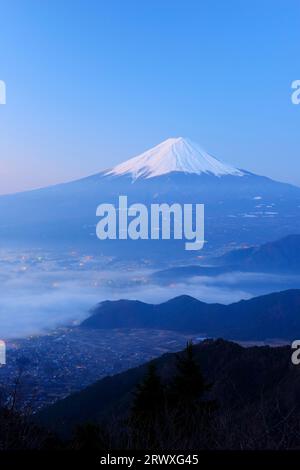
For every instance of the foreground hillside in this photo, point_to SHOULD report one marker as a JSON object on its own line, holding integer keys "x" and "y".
{"x": 256, "y": 390}
{"x": 272, "y": 316}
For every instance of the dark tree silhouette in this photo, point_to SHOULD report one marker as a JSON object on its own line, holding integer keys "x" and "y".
{"x": 190, "y": 408}
{"x": 188, "y": 385}
{"x": 147, "y": 410}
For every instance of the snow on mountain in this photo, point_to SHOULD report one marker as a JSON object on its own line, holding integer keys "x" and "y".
{"x": 173, "y": 155}
{"x": 241, "y": 208}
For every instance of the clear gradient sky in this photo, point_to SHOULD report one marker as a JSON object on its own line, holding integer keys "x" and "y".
{"x": 92, "y": 83}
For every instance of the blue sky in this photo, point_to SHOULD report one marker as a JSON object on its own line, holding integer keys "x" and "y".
{"x": 92, "y": 83}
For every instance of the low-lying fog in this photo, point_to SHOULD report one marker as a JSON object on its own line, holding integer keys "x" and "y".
{"x": 40, "y": 291}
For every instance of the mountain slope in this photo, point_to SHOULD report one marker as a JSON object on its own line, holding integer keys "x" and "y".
{"x": 240, "y": 207}
{"x": 272, "y": 316}
{"x": 279, "y": 256}
{"x": 243, "y": 380}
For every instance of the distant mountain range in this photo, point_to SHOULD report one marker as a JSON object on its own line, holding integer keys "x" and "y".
{"x": 240, "y": 207}
{"x": 273, "y": 316}
{"x": 247, "y": 383}
{"x": 281, "y": 257}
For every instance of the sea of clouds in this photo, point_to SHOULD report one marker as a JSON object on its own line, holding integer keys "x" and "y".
{"x": 38, "y": 294}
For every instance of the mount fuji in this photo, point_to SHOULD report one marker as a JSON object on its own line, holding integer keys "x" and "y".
{"x": 241, "y": 208}
{"x": 173, "y": 155}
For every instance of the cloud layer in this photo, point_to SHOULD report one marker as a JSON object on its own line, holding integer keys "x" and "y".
{"x": 40, "y": 293}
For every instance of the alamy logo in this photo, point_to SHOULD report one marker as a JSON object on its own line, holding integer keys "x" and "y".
{"x": 296, "y": 93}
{"x": 165, "y": 222}
{"x": 2, "y": 353}
{"x": 296, "y": 354}
{"x": 2, "y": 92}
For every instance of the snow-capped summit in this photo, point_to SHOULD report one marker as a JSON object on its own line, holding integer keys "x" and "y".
{"x": 173, "y": 155}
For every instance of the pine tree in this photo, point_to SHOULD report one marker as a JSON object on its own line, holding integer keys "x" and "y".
{"x": 188, "y": 405}
{"x": 147, "y": 410}
{"x": 188, "y": 385}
